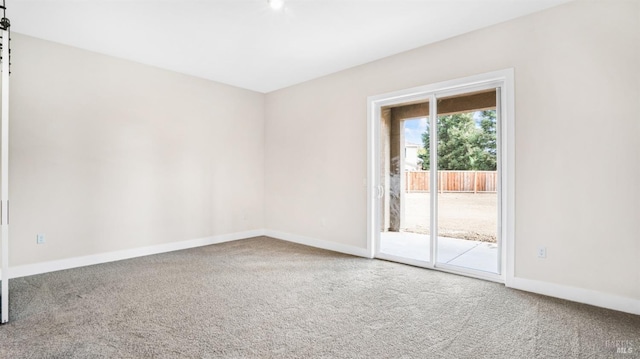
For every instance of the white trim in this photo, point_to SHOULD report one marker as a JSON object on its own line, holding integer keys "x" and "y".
{"x": 442, "y": 88}
{"x": 501, "y": 78}
{"x": 434, "y": 184}
{"x": 52, "y": 266}
{"x": 318, "y": 243}
{"x": 402, "y": 175}
{"x": 404, "y": 260}
{"x": 470, "y": 272}
{"x": 580, "y": 295}
{"x": 373, "y": 165}
{"x": 442, "y": 267}
{"x": 76, "y": 262}
{"x": 4, "y": 195}
{"x": 508, "y": 173}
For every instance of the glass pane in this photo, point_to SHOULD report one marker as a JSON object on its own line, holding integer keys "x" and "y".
{"x": 467, "y": 186}
{"x": 405, "y": 176}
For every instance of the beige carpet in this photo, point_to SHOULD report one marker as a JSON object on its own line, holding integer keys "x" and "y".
{"x": 264, "y": 298}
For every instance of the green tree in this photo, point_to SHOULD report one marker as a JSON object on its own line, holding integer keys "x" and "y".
{"x": 486, "y": 152}
{"x": 463, "y": 142}
{"x": 424, "y": 152}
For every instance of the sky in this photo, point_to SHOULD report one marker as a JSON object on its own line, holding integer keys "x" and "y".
{"x": 413, "y": 130}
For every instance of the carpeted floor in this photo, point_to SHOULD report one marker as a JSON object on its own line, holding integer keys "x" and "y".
{"x": 264, "y": 298}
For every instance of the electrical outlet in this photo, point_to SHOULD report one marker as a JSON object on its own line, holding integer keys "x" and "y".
{"x": 40, "y": 238}
{"x": 542, "y": 252}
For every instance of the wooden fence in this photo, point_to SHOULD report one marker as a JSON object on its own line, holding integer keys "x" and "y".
{"x": 453, "y": 181}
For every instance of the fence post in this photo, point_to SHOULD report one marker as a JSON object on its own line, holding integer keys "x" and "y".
{"x": 475, "y": 182}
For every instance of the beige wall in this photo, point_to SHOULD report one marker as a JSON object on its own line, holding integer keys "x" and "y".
{"x": 108, "y": 155}
{"x": 577, "y": 149}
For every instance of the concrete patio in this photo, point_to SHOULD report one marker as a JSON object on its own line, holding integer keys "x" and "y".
{"x": 464, "y": 253}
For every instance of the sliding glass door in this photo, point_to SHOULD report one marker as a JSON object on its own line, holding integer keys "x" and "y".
{"x": 438, "y": 199}
{"x": 467, "y": 194}
{"x": 405, "y": 201}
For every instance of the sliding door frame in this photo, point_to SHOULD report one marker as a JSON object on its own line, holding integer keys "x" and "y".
{"x": 4, "y": 169}
{"x": 503, "y": 80}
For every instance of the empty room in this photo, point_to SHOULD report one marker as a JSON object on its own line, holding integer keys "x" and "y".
{"x": 320, "y": 179}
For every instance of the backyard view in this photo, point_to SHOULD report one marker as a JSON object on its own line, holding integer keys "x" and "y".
{"x": 460, "y": 215}
{"x": 467, "y": 178}
{"x": 464, "y": 184}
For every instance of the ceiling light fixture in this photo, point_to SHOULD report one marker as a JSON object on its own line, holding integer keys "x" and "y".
{"x": 276, "y": 4}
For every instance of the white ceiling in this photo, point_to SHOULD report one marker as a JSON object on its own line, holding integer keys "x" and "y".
{"x": 246, "y": 44}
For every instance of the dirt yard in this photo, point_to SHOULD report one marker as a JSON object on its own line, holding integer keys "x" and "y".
{"x": 460, "y": 215}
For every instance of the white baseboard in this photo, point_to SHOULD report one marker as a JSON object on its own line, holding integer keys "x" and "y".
{"x": 318, "y": 243}
{"x": 51, "y": 266}
{"x": 75, "y": 262}
{"x": 580, "y": 295}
